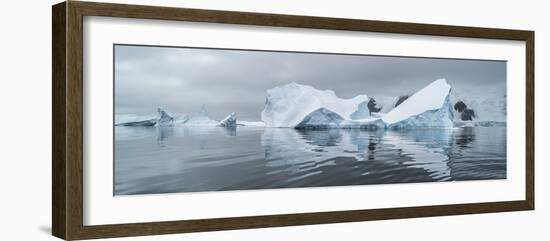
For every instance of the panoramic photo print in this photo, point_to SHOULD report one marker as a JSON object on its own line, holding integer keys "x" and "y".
{"x": 203, "y": 119}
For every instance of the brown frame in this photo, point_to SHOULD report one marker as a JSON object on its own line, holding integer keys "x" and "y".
{"x": 67, "y": 120}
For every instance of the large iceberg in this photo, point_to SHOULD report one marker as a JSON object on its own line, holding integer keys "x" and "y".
{"x": 430, "y": 107}
{"x": 288, "y": 105}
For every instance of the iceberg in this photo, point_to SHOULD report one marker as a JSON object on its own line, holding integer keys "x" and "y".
{"x": 150, "y": 122}
{"x": 288, "y": 105}
{"x": 430, "y": 107}
{"x": 164, "y": 118}
{"x": 200, "y": 118}
{"x": 229, "y": 121}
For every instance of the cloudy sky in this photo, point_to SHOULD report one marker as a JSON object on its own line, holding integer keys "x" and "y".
{"x": 181, "y": 80}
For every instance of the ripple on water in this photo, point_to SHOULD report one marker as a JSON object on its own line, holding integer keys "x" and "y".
{"x": 193, "y": 159}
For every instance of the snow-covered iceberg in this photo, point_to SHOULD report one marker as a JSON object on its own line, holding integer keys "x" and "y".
{"x": 288, "y": 105}
{"x": 304, "y": 107}
{"x": 430, "y": 107}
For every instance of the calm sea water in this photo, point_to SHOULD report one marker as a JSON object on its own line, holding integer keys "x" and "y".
{"x": 191, "y": 159}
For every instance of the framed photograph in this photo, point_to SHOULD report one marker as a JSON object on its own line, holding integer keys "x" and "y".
{"x": 172, "y": 120}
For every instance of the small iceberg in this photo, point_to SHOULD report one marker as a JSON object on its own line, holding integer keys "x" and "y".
{"x": 163, "y": 119}
{"x": 229, "y": 121}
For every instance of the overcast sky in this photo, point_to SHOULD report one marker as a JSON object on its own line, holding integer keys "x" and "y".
{"x": 181, "y": 80}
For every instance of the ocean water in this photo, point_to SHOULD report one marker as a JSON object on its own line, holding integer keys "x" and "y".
{"x": 150, "y": 160}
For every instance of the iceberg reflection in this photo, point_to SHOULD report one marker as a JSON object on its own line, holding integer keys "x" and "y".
{"x": 300, "y": 149}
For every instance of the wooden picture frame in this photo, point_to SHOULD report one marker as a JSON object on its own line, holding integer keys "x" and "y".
{"x": 67, "y": 127}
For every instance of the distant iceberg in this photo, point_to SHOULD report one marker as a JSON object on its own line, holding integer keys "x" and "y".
{"x": 288, "y": 105}
{"x": 229, "y": 121}
{"x": 200, "y": 118}
{"x": 163, "y": 119}
{"x": 150, "y": 122}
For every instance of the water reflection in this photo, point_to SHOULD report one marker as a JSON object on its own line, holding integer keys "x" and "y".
{"x": 230, "y": 130}
{"x": 163, "y": 133}
{"x": 415, "y": 149}
{"x": 188, "y": 159}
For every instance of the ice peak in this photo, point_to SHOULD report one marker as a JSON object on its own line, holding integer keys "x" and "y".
{"x": 441, "y": 81}
{"x": 164, "y": 118}
{"x": 294, "y": 84}
{"x": 163, "y": 114}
